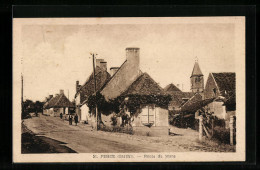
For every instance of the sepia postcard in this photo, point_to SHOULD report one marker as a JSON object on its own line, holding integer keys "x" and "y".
{"x": 159, "y": 89}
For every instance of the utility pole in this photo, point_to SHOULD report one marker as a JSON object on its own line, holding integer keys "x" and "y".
{"x": 95, "y": 90}
{"x": 22, "y": 94}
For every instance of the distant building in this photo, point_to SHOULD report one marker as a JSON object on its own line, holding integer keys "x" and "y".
{"x": 57, "y": 104}
{"x": 197, "y": 79}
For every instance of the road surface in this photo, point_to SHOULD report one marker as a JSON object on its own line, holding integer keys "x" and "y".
{"x": 83, "y": 139}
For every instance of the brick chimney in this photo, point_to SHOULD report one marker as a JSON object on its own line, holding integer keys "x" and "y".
{"x": 113, "y": 70}
{"x": 61, "y": 91}
{"x": 103, "y": 65}
{"x": 132, "y": 56}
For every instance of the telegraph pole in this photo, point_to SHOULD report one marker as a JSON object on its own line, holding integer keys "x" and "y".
{"x": 95, "y": 90}
{"x": 22, "y": 94}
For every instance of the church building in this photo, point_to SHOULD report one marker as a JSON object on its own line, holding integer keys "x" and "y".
{"x": 197, "y": 79}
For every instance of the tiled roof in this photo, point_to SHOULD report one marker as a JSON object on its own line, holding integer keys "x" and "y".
{"x": 197, "y": 97}
{"x": 196, "y": 70}
{"x": 59, "y": 101}
{"x": 196, "y": 105}
{"x": 87, "y": 89}
{"x": 226, "y": 82}
{"x": 178, "y": 96}
{"x": 144, "y": 85}
{"x": 171, "y": 87}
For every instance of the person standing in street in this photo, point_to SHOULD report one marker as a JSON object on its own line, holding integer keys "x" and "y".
{"x": 70, "y": 119}
{"x": 60, "y": 115}
{"x": 76, "y": 119}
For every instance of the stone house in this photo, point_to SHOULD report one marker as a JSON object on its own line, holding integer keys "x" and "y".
{"x": 87, "y": 89}
{"x": 222, "y": 87}
{"x": 57, "y": 104}
{"x": 129, "y": 80}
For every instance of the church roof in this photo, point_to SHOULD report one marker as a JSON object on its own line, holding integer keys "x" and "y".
{"x": 196, "y": 70}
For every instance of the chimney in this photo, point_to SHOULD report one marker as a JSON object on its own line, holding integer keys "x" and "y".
{"x": 103, "y": 65}
{"x": 178, "y": 85}
{"x": 132, "y": 54}
{"x": 77, "y": 86}
{"x": 61, "y": 91}
{"x": 98, "y": 62}
{"x": 50, "y": 96}
{"x": 113, "y": 70}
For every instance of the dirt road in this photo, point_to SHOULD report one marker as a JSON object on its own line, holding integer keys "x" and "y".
{"x": 82, "y": 139}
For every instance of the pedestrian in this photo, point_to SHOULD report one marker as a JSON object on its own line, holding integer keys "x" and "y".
{"x": 76, "y": 119}
{"x": 60, "y": 115}
{"x": 70, "y": 119}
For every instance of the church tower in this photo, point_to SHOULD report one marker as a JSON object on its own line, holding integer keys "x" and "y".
{"x": 196, "y": 79}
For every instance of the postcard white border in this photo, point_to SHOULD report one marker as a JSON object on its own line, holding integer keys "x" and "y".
{"x": 239, "y": 155}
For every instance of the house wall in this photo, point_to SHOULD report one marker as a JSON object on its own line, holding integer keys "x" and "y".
{"x": 84, "y": 113}
{"x": 210, "y": 85}
{"x": 160, "y": 126}
{"x": 124, "y": 77}
{"x": 218, "y": 108}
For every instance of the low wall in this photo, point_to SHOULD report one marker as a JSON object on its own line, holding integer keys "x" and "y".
{"x": 152, "y": 131}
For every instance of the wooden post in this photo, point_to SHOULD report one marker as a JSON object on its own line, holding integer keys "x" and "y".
{"x": 231, "y": 126}
{"x": 212, "y": 126}
{"x": 200, "y": 127}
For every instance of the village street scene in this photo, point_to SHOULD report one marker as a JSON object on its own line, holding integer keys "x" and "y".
{"x": 130, "y": 103}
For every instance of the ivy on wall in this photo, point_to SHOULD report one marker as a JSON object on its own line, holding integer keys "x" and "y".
{"x": 133, "y": 102}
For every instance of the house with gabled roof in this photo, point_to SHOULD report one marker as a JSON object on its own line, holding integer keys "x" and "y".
{"x": 130, "y": 83}
{"x": 57, "y": 104}
{"x": 222, "y": 86}
{"x": 86, "y": 89}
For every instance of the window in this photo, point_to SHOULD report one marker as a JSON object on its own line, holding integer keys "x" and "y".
{"x": 148, "y": 114}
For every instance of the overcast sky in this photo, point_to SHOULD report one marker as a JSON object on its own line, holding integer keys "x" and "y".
{"x": 55, "y": 56}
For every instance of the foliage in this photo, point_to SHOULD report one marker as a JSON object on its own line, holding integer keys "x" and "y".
{"x": 114, "y": 120}
{"x": 29, "y": 106}
{"x": 222, "y": 134}
{"x": 133, "y": 103}
{"x": 119, "y": 129}
{"x": 183, "y": 120}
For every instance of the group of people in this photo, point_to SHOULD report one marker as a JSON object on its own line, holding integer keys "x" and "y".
{"x": 76, "y": 118}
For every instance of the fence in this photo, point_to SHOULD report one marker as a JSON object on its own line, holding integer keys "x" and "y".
{"x": 216, "y": 129}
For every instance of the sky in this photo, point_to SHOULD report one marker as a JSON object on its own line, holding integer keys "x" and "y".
{"x": 54, "y": 57}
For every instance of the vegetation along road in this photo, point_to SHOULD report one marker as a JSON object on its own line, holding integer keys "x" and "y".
{"x": 53, "y": 135}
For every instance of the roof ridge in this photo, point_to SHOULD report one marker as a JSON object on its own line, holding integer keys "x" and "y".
{"x": 112, "y": 76}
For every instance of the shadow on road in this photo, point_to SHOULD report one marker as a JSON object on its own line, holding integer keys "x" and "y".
{"x": 32, "y": 143}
